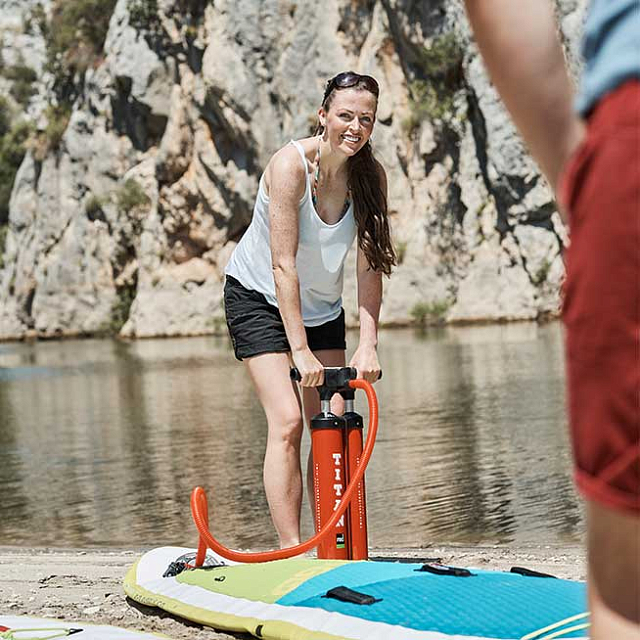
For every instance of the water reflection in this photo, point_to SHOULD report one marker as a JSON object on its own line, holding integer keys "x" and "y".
{"x": 103, "y": 441}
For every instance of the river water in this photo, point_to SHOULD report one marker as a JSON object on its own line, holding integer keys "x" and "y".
{"x": 102, "y": 442}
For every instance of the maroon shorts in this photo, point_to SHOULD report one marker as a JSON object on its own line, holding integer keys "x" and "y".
{"x": 601, "y": 190}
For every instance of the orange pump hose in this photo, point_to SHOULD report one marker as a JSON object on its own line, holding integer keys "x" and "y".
{"x": 200, "y": 512}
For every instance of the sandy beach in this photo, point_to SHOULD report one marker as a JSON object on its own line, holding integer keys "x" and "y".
{"x": 86, "y": 585}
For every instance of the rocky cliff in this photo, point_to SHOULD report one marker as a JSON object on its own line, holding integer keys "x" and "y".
{"x": 126, "y": 222}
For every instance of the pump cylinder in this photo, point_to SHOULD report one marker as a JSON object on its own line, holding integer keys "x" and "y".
{"x": 357, "y": 514}
{"x": 329, "y": 482}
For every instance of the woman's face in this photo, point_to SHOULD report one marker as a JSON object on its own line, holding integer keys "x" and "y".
{"x": 349, "y": 119}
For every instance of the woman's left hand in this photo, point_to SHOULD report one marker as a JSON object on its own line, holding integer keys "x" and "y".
{"x": 365, "y": 360}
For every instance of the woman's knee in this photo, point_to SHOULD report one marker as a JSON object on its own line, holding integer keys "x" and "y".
{"x": 285, "y": 425}
{"x": 337, "y": 404}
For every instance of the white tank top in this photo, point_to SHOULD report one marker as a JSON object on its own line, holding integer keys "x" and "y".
{"x": 322, "y": 250}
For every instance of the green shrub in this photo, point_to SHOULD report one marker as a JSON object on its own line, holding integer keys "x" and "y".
{"x": 540, "y": 276}
{"x": 57, "y": 121}
{"x": 217, "y": 325}
{"x": 38, "y": 18}
{"x": 433, "y": 312}
{"x": 442, "y": 60}
{"x": 428, "y": 102}
{"x": 20, "y": 73}
{"x": 23, "y": 79}
{"x": 192, "y": 8}
{"x": 432, "y": 97}
{"x": 121, "y": 308}
{"x": 131, "y": 196}
{"x": 143, "y": 14}
{"x": 3, "y": 238}
{"x": 13, "y": 147}
{"x": 44, "y": 142}
{"x": 74, "y": 37}
{"x": 401, "y": 251}
{"x": 5, "y": 117}
{"x": 93, "y": 206}
{"x": 75, "y": 22}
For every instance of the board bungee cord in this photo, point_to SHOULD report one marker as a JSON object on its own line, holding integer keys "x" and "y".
{"x": 555, "y": 628}
{"x": 31, "y": 628}
{"x": 27, "y": 634}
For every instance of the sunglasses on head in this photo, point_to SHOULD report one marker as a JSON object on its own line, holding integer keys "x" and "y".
{"x": 349, "y": 79}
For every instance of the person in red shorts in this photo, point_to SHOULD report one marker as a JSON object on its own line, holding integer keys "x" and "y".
{"x": 591, "y": 157}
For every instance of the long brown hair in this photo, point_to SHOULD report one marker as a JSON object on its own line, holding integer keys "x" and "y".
{"x": 365, "y": 182}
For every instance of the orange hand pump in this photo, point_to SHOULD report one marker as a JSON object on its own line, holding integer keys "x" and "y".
{"x": 334, "y": 531}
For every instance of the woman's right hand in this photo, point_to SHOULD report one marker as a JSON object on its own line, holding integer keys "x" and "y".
{"x": 310, "y": 368}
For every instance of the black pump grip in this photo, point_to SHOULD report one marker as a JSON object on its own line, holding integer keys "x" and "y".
{"x": 333, "y": 376}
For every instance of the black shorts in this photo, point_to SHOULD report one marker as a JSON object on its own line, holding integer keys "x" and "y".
{"x": 256, "y": 327}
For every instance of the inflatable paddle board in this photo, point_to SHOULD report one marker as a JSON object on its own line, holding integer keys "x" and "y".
{"x": 309, "y": 599}
{"x": 27, "y": 628}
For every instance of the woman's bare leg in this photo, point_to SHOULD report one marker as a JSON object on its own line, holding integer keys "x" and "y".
{"x": 282, "y": 475}
{"x": 311, "y": 404}
{"x": 613, "y": 544}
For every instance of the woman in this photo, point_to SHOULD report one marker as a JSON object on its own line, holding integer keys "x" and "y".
{"x": 283, "y": 289}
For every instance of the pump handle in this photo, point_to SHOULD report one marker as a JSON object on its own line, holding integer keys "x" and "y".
{"x": 294, "y": 374}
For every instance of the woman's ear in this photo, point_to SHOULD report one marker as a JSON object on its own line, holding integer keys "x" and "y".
{"x": 322, "y": 116}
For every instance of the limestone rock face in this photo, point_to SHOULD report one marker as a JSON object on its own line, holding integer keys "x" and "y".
{"x": 22, "y": 44}
{"x": 128, "y": 225}
{"x": 18, "y": 41}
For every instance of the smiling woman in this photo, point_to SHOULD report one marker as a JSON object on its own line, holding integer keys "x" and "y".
{"x": 283, "y": 290}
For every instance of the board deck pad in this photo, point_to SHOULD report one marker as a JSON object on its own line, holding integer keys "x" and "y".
{"x": 295, "y": 599}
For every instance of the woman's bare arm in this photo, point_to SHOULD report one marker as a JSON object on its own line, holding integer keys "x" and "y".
{"x": 365, "y": 358}
{"x": 287, "y": 182}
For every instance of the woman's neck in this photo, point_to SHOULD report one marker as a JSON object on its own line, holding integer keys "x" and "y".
{"x": 333, "y": 163}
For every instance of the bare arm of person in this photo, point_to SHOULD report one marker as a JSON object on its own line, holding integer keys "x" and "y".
{"x": 521, "y": 50}
{"x": 287, "y": 180}
{"x": 365, "y": 358}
